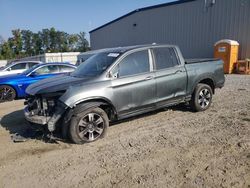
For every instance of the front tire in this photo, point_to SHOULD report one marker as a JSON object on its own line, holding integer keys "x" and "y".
{"x": 7, "y": 93}
{"x": 201, "y": 98}
{"x": 88, "y": 126}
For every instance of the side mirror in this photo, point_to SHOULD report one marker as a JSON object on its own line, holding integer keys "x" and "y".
{"x": 9, "y": 69}
{"x": 113, "y": 75}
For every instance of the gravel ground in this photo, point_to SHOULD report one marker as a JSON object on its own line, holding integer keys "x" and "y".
{"x": 168, "y": 148}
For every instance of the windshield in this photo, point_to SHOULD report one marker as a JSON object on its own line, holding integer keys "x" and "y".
{"x": 6, "y": 66}
{"x": 95, "y": 65}
{"x": 3, "y": 67}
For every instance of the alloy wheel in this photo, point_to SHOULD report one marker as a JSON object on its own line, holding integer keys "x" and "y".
{"x": 204, "y": 98}
{"x": 6, "y": 94}
{"x": 90, "y": 127}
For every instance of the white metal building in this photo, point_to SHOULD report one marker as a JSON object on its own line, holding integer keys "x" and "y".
{"x": 194, "y": 25}
{"x": 3, "y": 62}
{"x": 70, "y": 57}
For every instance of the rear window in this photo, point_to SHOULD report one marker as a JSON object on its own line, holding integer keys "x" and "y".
{"x": 165, "y": 58}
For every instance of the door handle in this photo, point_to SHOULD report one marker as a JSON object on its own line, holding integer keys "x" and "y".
{"x": 179, "y": 71}
{"x": 149, "y": 78}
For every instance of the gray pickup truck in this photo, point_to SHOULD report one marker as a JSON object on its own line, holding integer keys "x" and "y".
{"x": 119, "y": 83}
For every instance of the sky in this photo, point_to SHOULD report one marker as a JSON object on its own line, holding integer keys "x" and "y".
{"x": 71, "y": 16}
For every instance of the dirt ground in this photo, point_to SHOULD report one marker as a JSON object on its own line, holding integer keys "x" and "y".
{"x": 168, "y": 148}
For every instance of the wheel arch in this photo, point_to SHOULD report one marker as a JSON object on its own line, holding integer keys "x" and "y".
{"x": 205, "y": 79}
{"x": 100, "y": 102}
{"x": 208, "y": 81}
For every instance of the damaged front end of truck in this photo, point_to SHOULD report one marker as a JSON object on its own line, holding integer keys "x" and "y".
{"x": 43, "y": 105}
{"x": 45, "y": 109}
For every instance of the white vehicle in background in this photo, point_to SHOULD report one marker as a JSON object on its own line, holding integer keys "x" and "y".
{"x": 17, "y": 67}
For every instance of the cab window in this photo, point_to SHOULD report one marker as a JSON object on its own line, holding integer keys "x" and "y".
{"x": 165, "y": 58}
{"x": 133, "y": 64}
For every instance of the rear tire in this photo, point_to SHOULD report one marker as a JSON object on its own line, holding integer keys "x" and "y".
{"x": 7, "y": 93}
{"x": 201, "y": 98}
{"x": 88, "y": 126}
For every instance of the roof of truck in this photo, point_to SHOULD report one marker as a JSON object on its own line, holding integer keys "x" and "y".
{"x": 128, "y": 48}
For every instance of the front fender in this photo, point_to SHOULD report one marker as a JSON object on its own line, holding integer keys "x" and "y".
{"x": 78, "y": 94}
{"x": 80, "y": 108}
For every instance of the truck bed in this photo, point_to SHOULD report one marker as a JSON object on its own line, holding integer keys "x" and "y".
{"x": 192, "y": 61}
{"x": 198, "y": 69}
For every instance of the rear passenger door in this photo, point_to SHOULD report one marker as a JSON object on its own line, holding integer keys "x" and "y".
{"x": 133, "y": 83}
{"x": 170, "y": 76}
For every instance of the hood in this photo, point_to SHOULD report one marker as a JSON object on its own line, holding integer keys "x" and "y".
{"x": 54, "y": 84}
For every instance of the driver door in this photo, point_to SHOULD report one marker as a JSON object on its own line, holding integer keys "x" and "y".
{"x": 133, "y": 83}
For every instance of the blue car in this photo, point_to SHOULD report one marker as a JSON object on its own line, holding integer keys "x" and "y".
{"x": 13, "y": 86}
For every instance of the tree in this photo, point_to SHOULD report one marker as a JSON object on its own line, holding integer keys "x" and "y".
{"x": 72, "y": 42}
{"x": 6, "y": 51}
{"x": 1, "y": 46}
{"x": 16, "y": 42}
{"x": 26, "y": 43}
{"x": 62, "y": 41}
{"x": 37, "y": 43}
{"x": 53, "y": 39}
{"x": 45, "y": 40}
{"x": 83, "y": 44}
{"x": 28, "y": 46}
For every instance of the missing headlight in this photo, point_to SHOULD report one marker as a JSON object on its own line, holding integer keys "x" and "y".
{"x": 45, "y": 106}
{"x": 51, "y": 103}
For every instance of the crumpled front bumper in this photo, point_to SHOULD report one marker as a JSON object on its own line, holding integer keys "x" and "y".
{"x": 50, "y": 121}
{"x": 41, "y": 120}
